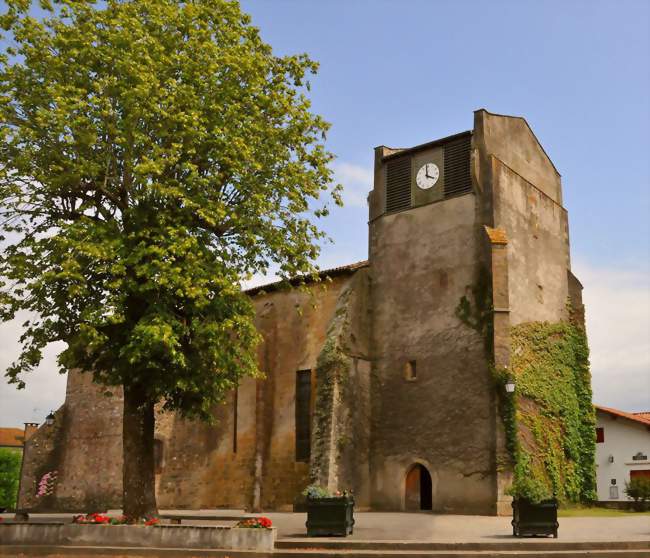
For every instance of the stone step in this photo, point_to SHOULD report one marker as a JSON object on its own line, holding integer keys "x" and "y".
{"x": 542, "y": 553}
{"x": 412, "y": 546}
{"x": 126, "y": 552}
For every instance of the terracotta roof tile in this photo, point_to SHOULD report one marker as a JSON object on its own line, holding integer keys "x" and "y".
{"x": 333, "y": 272}
{"x": 643, "y": 418}
{"x": 12, "y": 437}
{"x": 497, "y": 236}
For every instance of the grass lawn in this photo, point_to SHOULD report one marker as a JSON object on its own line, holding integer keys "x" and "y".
{"x": 597, "y": 512}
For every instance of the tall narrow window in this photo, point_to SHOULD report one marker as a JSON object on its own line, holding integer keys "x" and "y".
{"x": 600, "y": 435}
{"x": 234, "y": 420}
{"x": 303, "y": 415}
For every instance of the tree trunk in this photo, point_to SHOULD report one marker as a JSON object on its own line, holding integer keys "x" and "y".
{"x": 138, "y": 490}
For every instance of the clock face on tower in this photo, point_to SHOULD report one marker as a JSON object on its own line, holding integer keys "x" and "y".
{"x": 427, "y": 176}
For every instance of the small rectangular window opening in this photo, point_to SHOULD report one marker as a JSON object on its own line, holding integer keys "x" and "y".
{"x": 600, "y": 435}
{"x": 410, "y": 371}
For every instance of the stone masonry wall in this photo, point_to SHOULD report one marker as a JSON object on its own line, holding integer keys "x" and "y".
{"x": 341, "y": 437}
{"x": 201, "y": 468}
{"x": 423, "y": 261}
{"x": 41, "y": 456}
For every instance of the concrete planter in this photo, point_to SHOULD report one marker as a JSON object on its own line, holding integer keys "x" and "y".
{"x": 159, "y": 536}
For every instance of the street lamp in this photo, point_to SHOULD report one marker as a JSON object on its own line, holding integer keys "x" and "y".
{"x": 510, "y": 385}
{"x": 49, "y": 419}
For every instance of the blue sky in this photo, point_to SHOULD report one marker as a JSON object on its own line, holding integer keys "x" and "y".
{"x": 402, "y": 72}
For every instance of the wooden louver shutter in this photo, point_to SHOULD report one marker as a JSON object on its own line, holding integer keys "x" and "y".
{"x": 458, "y": 179}
{"x": 398, "y": 184}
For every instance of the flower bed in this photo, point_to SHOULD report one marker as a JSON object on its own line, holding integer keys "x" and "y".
{"x": 255, "y": 523}
{"x": 102, "y": 519}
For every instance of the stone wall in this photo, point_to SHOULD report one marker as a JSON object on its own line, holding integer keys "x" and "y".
{"x": 523, "y": 197}
{"x": 423, "y": 261}
{"x": 201, "y": 468}
{"x": 84, "y": 447}
{"x": 40, "y": 456}
{"x": 341, "y": 436}
{"x": 538, "y": 247}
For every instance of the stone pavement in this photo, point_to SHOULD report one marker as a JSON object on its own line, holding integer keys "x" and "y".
{"x": 380, "y": 526}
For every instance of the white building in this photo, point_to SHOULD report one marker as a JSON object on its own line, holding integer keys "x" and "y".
{"x": 622, "y": 450}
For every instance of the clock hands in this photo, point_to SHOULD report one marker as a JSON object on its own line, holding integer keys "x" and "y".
{"x": 428, "y": 180}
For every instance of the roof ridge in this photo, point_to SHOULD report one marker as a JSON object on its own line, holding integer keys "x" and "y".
{"x": 624, "y": 414}
{"x": 331, "y": 272}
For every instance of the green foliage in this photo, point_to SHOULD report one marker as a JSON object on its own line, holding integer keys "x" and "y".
{"x": 550, "y": 421}
{"x": 475, "y": 311}
{"x": 315, "y": 491}
{"x": 153, "y": 153}
{"x": 639, "y": 490}
{"x": 9, "y": 477}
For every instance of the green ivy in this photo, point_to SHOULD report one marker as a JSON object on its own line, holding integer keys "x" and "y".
{"x": 550, "y": 421}
{"x": 476, "y": 312}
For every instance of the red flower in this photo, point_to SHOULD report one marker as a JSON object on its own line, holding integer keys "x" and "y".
{"x": 255, "y": 523}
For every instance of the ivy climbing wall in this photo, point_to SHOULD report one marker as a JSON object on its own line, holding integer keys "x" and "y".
{"x": 551, "y": 422}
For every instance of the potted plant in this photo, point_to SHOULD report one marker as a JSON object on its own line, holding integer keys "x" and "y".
{"x": 534, "y": 518}
{"x": 327, "y": 514}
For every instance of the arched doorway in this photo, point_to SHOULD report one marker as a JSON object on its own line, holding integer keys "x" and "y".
{"x": 418, "y": 489}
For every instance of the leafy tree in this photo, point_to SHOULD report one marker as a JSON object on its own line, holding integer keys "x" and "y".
{"x": 152, "y": 154}
{"x": 9, "y": 475}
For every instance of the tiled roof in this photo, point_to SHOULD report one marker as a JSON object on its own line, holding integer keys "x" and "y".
{"x": 497, "y": 236}
{"x": 643, "y": 418}
{"x": 12, "y": 437}
{"x": 333, "y": 272}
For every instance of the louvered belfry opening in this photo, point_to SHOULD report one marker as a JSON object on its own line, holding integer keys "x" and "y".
{"x": 458, "y": 179}
{"x": 398, "y": 184}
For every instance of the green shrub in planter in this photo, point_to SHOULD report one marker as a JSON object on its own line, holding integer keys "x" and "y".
{"x": 328, "y": 515}
{"x": 534, "y": 518}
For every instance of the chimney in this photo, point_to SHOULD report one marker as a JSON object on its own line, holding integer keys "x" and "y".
{"x": 30, "y": 428}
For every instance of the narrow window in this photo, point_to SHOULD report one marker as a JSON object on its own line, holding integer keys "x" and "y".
{"x": 600, "y": 435}
{"x": 303, "y": 416}
{"x": 410, "y": 371}
{"x": 234, "y": 420}
{"x": 157, "y": 456}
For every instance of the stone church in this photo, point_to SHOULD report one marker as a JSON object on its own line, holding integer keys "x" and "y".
{"x": 378, "y": 379}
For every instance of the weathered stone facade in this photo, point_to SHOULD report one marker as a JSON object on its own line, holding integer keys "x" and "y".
{"x": 400, "y": 350}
